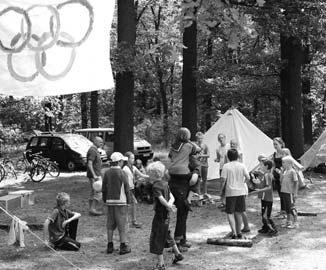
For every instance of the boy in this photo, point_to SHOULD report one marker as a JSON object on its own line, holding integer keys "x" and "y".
{"x": 203, "y": 158}
{"x": 163, "y": 204}
{"x": 234, "y": 175}
{"x": 265, "y": 193}
{"x": 61, "y": 227}
{"x": 115, "y": 194}
{"x": 289, "y": 191}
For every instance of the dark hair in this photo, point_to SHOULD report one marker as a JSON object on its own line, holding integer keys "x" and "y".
{"x": 183, "y": 135}
{"x": 233, "y": 154}
{"x": 268, "y": 163}
{"x": 156, "y": 159}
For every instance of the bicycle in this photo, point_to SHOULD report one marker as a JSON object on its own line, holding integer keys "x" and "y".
{"x": 7, "y": 168}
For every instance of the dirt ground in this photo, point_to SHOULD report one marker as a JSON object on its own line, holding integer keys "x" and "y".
{"x": 302, "y": 248}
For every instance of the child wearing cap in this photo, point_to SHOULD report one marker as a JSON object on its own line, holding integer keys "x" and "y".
{"x": 289, "y": 191}
{"x": 161, "y": 237}
{"x": 115, "y": 194}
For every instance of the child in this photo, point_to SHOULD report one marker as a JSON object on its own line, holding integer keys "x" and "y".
{"x": 289, "y": 191}
{"x": 163, "y": 204}
{"x": 132, "y": 172}
{"x": 194, "y": 182}
{"x": 265, "y": 193}
{"x": 115, "y": 193}
{"x": 61, "y": 226}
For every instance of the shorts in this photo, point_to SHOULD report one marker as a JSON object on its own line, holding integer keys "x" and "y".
{"x": 160, "y": 237}
{"x": 117, "y": 217}
{"x": 288, "y": 202}
{"x": 235, "y": 204}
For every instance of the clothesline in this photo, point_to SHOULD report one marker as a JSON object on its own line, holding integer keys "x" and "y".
{"x": 39, "y": 238}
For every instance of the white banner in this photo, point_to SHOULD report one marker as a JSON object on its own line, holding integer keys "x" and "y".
{"x": 55, "y": 47}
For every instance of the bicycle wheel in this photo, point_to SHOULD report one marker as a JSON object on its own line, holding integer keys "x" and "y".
{"x": 53, "y": 169}
{"x": 2, "y": 172}
{"x": 21, "y": 165}
{"x": 37, "y": 173}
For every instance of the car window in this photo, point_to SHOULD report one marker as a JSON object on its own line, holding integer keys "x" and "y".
{"x": 57, "y": 144}
{"x": 33, "y": 142}
{"x": 44, "y": 142}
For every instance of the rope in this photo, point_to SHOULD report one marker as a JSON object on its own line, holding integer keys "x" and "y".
{"x": 39, "y": 238}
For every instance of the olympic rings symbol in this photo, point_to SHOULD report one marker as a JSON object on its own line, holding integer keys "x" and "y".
{"x": 45, "y": 41}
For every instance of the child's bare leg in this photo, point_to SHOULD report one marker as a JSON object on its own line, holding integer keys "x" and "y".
{"x": 175, "y": 249}
{"x": 245, "y": 221}
{"x": 231, "y": 220}
{"x": 160, "y": 259}
{"x": 238, "y": 222}
{"x": 110, "y": 235}
{"x": 288, "y": 218}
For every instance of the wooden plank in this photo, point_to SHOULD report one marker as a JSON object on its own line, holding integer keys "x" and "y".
{"x": 307, "y": 214}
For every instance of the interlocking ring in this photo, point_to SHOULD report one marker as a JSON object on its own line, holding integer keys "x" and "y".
{"x": 19, "y": 35}
{"x": 44, "y": 41}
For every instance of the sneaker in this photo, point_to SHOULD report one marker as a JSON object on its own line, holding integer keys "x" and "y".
{"x": 229, "y": 235}
{"x": 109, "y": 249}
{"x": 185, "y": 243}
{"x": 272, "y": 233}
{"x": 124, "y": 249}
{"x": 159, "y": 267}
{"x": 136, "y": 225}
{"x": 245, "y": 230}
{"x": 293, "y": 225}
{"x": 239, "y": 236}
{"x": 177, "y": 258}
{"x": 285, "y": 225}
{"x": 234, "y": 236}
{"x": 94, "y": 212}
{"x": 263, "y": 231}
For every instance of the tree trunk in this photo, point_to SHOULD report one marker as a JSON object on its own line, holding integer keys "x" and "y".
{"x": 123, "y": 107}
{"x": 94, "y": 109}
{"x": 208, "y": 96}
{"x": 83, "y": 107}
{"x": 307, "y": 104}
{"x": 189, "y": 84}
{"x": 292, "y": 94}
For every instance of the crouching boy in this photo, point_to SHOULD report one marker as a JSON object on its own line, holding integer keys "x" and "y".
{"x": 61, "y": 226}
{"x": 115, "y": 193}
{"x": 160, "y": 237}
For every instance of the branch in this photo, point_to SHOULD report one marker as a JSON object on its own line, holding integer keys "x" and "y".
{"x": 143, "y": 9}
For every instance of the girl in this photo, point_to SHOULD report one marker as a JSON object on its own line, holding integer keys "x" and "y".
{"x": 131, "y": 172}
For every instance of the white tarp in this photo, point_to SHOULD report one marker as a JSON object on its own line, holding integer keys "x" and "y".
{"x": 55, "y": 47}
{"x": 252, "y": 141}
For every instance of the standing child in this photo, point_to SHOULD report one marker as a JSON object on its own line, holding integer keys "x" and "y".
{"x": 289, "y": 191}
{"x": 115, "y": 194}
{"x": 265, "y": 193}
{"x": 163, "y": 205}
{"x": 131, "y": 171}
{"x": 61, "y": 226}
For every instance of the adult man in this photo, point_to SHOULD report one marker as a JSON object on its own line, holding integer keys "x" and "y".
{"x": 94, "y": 165}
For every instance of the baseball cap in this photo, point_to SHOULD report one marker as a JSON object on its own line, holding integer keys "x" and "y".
{"x": 117, "y": 156}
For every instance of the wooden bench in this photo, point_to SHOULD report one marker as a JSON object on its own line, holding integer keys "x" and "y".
{"x": 27, "y": 197}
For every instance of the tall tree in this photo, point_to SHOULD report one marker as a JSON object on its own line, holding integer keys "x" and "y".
{"x": 124, "y": 95}
{"x": 83, "y": 107}
{"x": 189, "y": 72}
{"x": 94, "y": 109}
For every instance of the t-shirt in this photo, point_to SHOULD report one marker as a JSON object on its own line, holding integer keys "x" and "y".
{"x": 221, "y": 152}
{"x": 204, "y": 151}
{"x": 94, "y": 155}
{"x": 288, "y": 179}
{"x": 58, "y": 216}
{"x": 235, "y": 174}
{"x": 180, "y": 158}
{"x": 115, "y": 187}
{"x": 132, "y": 173}
{"x": 159, "y": 188}
{"x": 266, "y": 181}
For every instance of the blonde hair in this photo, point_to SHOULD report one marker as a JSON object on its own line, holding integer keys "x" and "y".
{"x": 288, "y": 159}
{"x": 62, "y": 198}
{"x": 156, "y": 170}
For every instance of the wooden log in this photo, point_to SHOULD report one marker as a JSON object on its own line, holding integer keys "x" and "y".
{"x": 307, "y": 214}
{"x": 230, "y": 242}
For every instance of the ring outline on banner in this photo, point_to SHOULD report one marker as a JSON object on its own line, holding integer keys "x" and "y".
{"x": 27, "y": 36}
{"x": 39, "y": 62}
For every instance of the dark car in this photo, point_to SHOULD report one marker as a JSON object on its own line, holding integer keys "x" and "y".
{"x": 68, "y": 150}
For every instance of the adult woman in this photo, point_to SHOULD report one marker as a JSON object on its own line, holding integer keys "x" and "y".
{"x": 278, "y": 144}
{"x": 179, "y": 181}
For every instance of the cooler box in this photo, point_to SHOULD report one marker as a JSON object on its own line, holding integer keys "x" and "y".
{"x": 27, "y": 196}
{"x": 10, "y": 202}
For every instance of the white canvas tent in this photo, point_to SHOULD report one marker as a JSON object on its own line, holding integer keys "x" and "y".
{"x": 316, "y": 153}
{"x": 252, "y": 141}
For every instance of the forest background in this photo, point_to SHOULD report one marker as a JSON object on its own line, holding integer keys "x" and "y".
{"x": 186, "y": 62}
